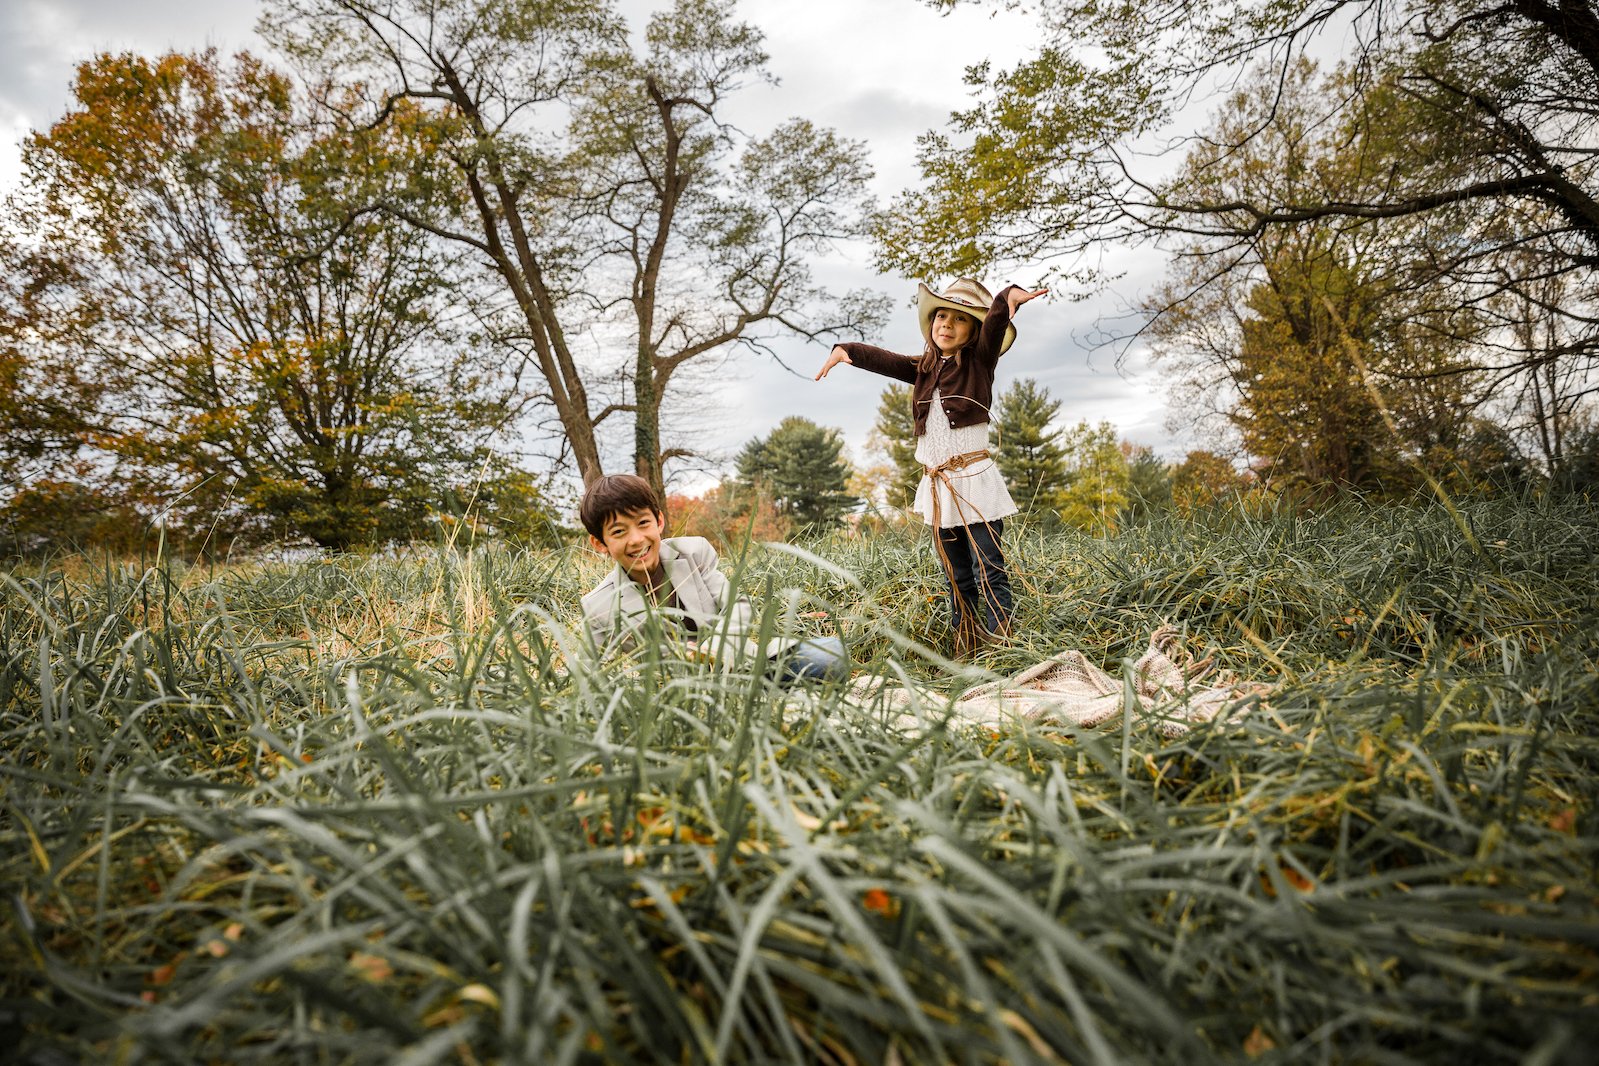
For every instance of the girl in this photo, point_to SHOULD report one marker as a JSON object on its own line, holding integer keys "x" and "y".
{"x": 961, "y": 495}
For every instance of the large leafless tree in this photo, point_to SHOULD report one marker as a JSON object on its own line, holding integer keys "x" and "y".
{"x": 626, "y": 226}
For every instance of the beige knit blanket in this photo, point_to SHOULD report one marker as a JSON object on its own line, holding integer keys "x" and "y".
{"x": 1067, "y": 690}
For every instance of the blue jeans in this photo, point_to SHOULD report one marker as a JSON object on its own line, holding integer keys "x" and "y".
{"x": 977, "y": 576}
{"x": 813, "y": 659}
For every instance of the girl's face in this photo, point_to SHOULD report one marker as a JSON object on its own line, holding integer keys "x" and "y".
{"x": 952, "y": 330}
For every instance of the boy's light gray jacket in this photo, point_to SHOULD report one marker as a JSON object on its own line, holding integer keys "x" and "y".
{"x": 616, "y": 608}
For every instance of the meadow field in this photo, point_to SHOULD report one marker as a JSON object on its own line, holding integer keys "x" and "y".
{"x": 377, "y": 809}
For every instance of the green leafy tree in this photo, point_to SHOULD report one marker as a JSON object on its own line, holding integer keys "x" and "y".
{"x": 50, "y": 515}
{"x": 893, "y": 435}
{"x": 1029, "y": 454}
{"x": 1203, "y": 478}
{"x": 1149, "y": 484}
{"x": 1306, "y": 407}
{"x": 1489, "y": 460}
{"x": 1316, "y": 344}
{"x": 1580, "y": 473}
{"x": 1097, "y": 485}
{"x": 260, "y": 358}
{"x": 800, "y": 467}
{"x": 602, "y": 192}
{"x": 1500, "y": 99}
{"x": 1449, "y": 156}
{"x": 511, "y": 504}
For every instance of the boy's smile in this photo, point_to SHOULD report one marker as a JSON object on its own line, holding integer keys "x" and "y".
{"x": 634, "y": 541}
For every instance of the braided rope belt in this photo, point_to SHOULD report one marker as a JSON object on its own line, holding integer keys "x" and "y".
{"x": 940, "y": 475}
{"x": 969, "y": 633}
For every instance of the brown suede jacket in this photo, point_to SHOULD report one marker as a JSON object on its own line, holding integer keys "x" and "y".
{"x": 966, "y": 391}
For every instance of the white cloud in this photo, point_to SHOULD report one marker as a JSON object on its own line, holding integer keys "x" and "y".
{"x": 42, "y": 41}
{"x": 14, "y": 127}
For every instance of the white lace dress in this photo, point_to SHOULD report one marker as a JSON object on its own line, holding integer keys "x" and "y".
{"x": 980, "y": 494}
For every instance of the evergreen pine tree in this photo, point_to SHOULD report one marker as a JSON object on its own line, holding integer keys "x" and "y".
{"x": 894, "y": 434}
{"x": 1148, "y": 484}
{"x": 1029, "y": 454}
{"x": 801, "y": 467}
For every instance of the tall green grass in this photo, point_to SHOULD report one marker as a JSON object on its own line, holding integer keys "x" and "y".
{"x": 376, "y": 810}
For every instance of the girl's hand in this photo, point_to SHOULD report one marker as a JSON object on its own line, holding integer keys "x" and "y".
{"x": 1020, "y": 296}
{"x": 836, "y": 356}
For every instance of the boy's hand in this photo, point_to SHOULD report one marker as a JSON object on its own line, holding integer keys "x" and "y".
{"x": 1020, "y": 296}
{"x": 836, "y": 356}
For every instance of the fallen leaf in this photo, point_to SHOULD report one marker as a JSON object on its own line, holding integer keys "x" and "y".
{"x": 448, "y": 1014}
{"x": 880, "y": 902}
{"x": 1257, "y": 1043}
{"x": 810, "y": 823}
{"x": 676, "y": 895}
{"x": 372, "y": 967}
{"x": 479, "y": 993}
{"x": 1298, "y": 880}
{"x": 1020, "y": 1025}
{"x": 1367, "y": 750}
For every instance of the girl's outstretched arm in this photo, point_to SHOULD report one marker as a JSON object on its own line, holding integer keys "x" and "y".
{"x": 836, "y": 356}
{"x": 997, "y": 323}
{"x": 1018, "y": 296}
{"x": 877, "y": 360}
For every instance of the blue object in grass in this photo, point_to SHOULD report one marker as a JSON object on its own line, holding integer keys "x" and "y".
{"x": 814, "y": 659}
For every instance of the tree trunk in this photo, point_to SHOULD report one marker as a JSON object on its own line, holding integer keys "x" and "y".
{"x": 518, "y": 265}
{"x": 647, "y": 391}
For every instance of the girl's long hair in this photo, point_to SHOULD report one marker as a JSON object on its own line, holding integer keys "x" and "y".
{"x": 930, "y": 354}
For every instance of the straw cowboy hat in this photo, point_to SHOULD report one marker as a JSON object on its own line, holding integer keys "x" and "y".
{"x": 963, "y": 294}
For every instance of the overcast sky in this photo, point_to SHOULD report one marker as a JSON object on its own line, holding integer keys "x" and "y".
{"x": 882, "y": 71}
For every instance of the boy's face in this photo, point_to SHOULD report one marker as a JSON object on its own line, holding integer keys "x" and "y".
{"x": 633, "y": 540}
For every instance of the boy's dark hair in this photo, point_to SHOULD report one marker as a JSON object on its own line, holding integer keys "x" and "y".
{"x": 612, "y": 495}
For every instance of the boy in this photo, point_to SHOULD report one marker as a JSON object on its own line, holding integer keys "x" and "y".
{"x": 625, "y": 520}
